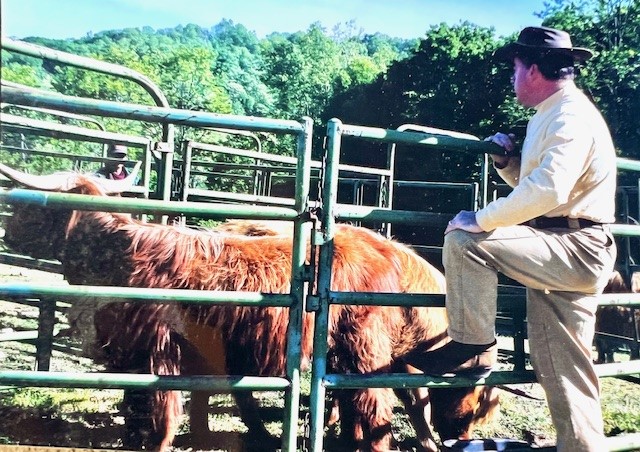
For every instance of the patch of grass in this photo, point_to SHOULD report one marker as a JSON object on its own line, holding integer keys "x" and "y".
{"x": 525, "y": 419}
{"x": 23, "y": 318}
{"x": 520, "y": 418}
{"x": 208, "y": 224}
{"x": 401, "y": 427}
{"x": 620, "y": 406}
{"x": 61, "y": 400}
{"x": 29, "y": 397}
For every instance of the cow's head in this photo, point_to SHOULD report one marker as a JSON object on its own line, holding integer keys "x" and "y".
{"x": 39, "y": 231}
{"x": 456, "y": 411}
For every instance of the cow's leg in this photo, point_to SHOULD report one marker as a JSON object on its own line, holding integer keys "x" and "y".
{"x": 139, "y": 431}
{"x": 351, "y": 431}
{"x": 635, "y": 325}
{"x": 376, "y": 408}
{"x": 144, "y": 342}
{"x": 258, "y": 435}
{"x": 601, "y": 349}
{"x": 203, "y": 353}
{"x": 247, "y": 405}
{"x": 199, "y": 419}
{"x": 151, "y": 419}
{"x": 333, "y": 416}
{"x": 193, "y": 363}
{"x": 366, "y": 350}
{"x": 167, "y": 416}
{"x": 418, "y": 408}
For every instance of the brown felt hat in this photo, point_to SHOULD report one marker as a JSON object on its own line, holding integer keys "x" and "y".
{"x": 545, "y": 39}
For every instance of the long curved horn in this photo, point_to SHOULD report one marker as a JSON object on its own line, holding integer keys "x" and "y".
{"x": 111, "y": 186}
{"x": 50, "y": 182}
{"x": 68, "y": 180}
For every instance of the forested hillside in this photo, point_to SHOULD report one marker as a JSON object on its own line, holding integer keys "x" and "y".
{"x": 444, "y": 79}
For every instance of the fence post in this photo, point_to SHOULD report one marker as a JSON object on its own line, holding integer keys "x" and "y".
{"x": 44, "y": 343}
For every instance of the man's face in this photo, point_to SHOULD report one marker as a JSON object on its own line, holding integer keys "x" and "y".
{"x": 522, "y": 85}
{"x": 114, "y": 166}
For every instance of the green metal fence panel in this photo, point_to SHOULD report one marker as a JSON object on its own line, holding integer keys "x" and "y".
{"x": 331, "y": 212}
{"x": 168, "y": 132}
{"x": 294, "y": 300}
{"x": 63, "y": 131}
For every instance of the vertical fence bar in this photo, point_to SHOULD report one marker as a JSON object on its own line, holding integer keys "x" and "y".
{"x": 187, "y": 161}
{"x": 296, "y": 311}
{"x": 519, "y": 335}
{"x": 44, "y": 343}
{"x": 319, "y": 368}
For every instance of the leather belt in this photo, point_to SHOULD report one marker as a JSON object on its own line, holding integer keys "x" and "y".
{"x": 560, "y": 222}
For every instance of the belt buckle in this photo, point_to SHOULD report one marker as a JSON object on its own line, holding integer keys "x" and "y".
{"x": 573, "y": 223}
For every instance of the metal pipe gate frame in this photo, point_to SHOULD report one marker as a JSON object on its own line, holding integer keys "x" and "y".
{"x": 330, "y": 214}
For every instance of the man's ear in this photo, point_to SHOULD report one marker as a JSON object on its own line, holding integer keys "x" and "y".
{"x": 534, "y": 71}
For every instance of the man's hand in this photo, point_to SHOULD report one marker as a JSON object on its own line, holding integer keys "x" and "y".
{"x": 505, "y": 141}
{"x": 464, "y": 220}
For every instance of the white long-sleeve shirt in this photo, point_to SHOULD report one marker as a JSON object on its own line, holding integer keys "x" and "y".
{"x": 567, "y": 166}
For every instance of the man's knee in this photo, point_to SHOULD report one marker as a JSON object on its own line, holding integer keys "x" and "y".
{"x": 455, "y": 239}
{"x": 454, "y": 244}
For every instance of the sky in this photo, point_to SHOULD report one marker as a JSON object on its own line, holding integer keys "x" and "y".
{"x": 59, "y": 19}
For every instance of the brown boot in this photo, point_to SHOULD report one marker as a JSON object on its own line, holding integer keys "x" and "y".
{"x": 455, "y": 359}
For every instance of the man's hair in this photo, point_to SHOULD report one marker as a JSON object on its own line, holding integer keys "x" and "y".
{"x": 552, "y": 65}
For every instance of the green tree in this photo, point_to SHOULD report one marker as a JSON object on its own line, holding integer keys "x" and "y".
{"x": 450, "y": 82}
{"x": 301, "y": 68}
{"x": 25, "y": 75}
{"x": 186, "y": 79}
{"x": 240, "y": 67}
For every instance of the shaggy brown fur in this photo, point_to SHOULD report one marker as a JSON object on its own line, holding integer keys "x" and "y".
{"x": 620, "y": 321}
{"x": 453, "y": 412}
{"x": 112, "y": 249}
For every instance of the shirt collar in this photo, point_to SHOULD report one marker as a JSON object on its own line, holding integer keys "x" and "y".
{"x": 555, "y": 97}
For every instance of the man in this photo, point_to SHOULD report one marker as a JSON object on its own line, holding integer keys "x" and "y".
{"x": 550, "y": 234}
{"x": 113, "y": 169}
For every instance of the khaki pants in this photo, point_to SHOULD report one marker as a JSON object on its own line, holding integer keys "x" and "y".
{"x": 563, "y": 271}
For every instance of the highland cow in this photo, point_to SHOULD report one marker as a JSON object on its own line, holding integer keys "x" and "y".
{"x": 100, "y": 248}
